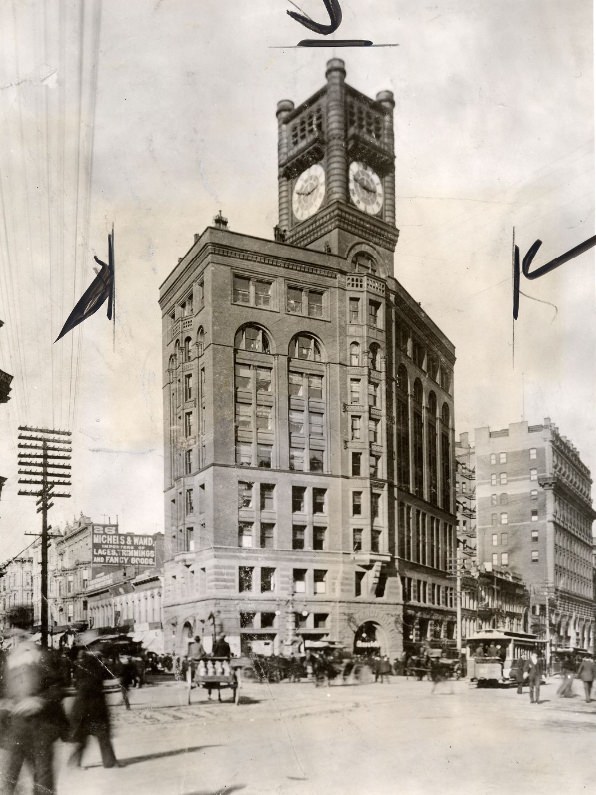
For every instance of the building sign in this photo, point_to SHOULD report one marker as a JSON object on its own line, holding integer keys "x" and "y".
{"x": 126, "y": 549}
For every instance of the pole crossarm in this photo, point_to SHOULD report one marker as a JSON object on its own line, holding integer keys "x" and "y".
{"x": 35, "y": 455}
{"x": 44, "y": 430}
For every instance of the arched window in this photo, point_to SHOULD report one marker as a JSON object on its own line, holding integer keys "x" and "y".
{"x": 255, "y": 407}
{"x": 172, "y": 364}
{"x": 354, "y": 354}
{"x": 431, "y": 448}
{"x": 418, "y": 425}
{"x": 307, "y": 408}
{"x": 187, "y": 346}
{"x": 374, "y": 357}
{"x": 403, "y": 429}
{"x": 363, "y": 262}
{"x": 305, "y": 346}
{"x": 445, "y": 457}
{"x": 200, "y": 341}
{"x": 252, "y": 338}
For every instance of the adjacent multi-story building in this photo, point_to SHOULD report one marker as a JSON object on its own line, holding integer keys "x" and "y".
{"x": 308, "y": 409}
{"x": 491, "y": 595}
{"x": 534, "y": 518}
{"x": 16, "y": 586}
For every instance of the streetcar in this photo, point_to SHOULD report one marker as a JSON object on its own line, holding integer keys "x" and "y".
{"x": 493, "y": 655}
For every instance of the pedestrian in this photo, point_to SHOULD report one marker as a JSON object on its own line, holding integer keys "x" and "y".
{"x": 90, "y": 714}
{"x": 585, "y": 672}
{"x": 567, "y": 675}
{"x": 519, "y": 675}
{"x": 31, "y": 713}
{"x": 127, "y": 673}
{"x": 221, "y": 648}
{"x": 533, "y": 671}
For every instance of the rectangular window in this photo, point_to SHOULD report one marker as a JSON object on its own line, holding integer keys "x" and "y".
{"x": 493, "y": 479}
{"x": 263, "y": 293}
{"x": 532, "y": 453}
{"x": 504, "y": 539}
{"x": 355, "y": 390}
{"x": 243, "y": 375}
{"x": 493, "y": 458}
{"x": 299, "y": 580}
{"x": 264, "y": 418}
{"x": 374, "y": 313}
{"x": 375, "y": 465}
{"x": 355, "y": 427}
{"x": 298, "y": 499}
{"x": 188, "y": 424}
{"x": 298, "y": 536}
{"x": 245, "y": 575}
{"x": 357, "y": 539}
{"x": 187, "y": 462}
{"x": 356, "y": 464}
{"x": 493, "y": 519}
{"x": 504, "y": 518}
{"x": 375, "y": 505}
{"x": 503, "y": 478}
{"x": 320, "y": 577}
{"x": 294, "y": 300}
{"x": 534, "y": 494}
{"x": 188, "y": 386}
{"x": 534, "y": 535}
{"x": 267, "y": 580}
{"x": 241, "y": 290}
{"x": 356, "y": 503}
{"x": 316, "y": 460}
{"x": 263, "y": 380}
{"x": 504, "y": 558}
{"x": 245, "y": 535}
{"x": 493, "y": 499}
{"x": 495, "y": 558}
{"x": 374, "y": 394}
{"x": 315, "y": 303}
{"x": 354, "y": 310}
{"x": 502, "y": 458}
{"x": 316, "y": 422}
{"x": 373, "y": 431}
{"x": 296, "y": 422}
{"x": 315, "y": 387}
{"x": 358, "y": 578}
{"x": 267, "y": 536}
{"x": 495, "y": 538}
{"x": 264, "y": 455}
{"x": 534, "y": 515}
{"x": 267, "y": 620}
{"x": 320, "y": 620}
{"x": 319, "y": 500}
{"x": 318, "y": 538}
{"x": 244, "y": 454}
{"x": 297, "y": 459}
{"x": 247, "y": 620}
{"x": 267, "y": 497}
{"x": 295, "y": 384}
{"x": 375, "y": 540}
{"x": 535, "y": 556}
{"x": 243, "y": 416}
{"x": 533, "y": 474}
{"x": 189, "y": 501}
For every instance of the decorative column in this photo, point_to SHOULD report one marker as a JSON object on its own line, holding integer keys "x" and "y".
{"x": 385, "y": 98}
{"x": 284, "y": 109}
{"x": 337, "y": 161}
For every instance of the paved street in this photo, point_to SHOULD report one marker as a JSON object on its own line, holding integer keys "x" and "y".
{"x": 396, "y": 737}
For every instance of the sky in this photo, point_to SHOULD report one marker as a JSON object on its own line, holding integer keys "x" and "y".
{"x": 153, "y": 115}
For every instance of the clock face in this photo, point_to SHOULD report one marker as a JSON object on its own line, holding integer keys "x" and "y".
{"x": 366, "y": 190}
{"x": 309, "y": 192}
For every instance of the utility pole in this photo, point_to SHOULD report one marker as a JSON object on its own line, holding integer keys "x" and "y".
{"x": 44, "y": 448}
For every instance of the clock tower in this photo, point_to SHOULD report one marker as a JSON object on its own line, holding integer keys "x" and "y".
{"x": 337, "y": 172}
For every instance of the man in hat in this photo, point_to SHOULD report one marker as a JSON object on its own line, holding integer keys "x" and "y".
{"x": 31, "y": 705}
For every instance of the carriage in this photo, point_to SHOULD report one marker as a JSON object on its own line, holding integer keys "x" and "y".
{"x": 329, "y": 661}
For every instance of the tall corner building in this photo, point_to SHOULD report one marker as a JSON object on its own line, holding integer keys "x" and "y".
{"x": 534, "y": 517}
{"x": 308, "y": 410}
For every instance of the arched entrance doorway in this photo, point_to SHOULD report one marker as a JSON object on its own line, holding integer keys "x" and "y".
{"x": 369, "y": 639}
{"x": 187, "y": 636}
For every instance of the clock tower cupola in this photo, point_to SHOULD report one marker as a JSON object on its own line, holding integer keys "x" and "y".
{"x": 336, "y": 170}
